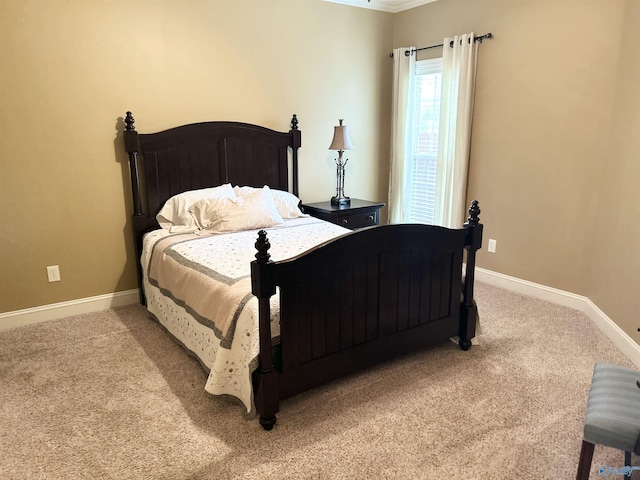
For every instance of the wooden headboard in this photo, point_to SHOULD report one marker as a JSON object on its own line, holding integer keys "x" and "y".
{"x": 202, "y": 155}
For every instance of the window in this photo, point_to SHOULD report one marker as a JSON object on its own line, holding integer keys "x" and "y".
{"x": 424, "y": 140}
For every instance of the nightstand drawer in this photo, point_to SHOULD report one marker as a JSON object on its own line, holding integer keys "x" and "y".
{"x": 357, "y": 214}
{"x": 358, "y": 220}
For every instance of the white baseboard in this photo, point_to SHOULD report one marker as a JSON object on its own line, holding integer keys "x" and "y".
{"x": 102, "y": 302}
{"x": 28, "y": 316}
{"x": 618, "y": 336}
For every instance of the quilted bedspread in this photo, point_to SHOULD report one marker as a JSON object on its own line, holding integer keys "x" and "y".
{"x": 199, "y": 289}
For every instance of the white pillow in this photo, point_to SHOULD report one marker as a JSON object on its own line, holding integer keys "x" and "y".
{"x": 175, "y": 211}
{"x": 251, "y": 211}
{"x": 286, "y": 203}
{"x": 242, "y": 191}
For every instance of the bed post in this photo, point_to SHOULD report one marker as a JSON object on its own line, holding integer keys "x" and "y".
{"x": 132, "y": 146}
{"x": 296, "y": 142}
{"x": 469, "y": 309}
{"x": 265, "y": 379}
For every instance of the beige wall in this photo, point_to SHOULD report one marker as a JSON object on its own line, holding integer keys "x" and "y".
{"x": 555, "y": 154}
{"x": 615, "y": 276}
{"x": 70, "y": 69}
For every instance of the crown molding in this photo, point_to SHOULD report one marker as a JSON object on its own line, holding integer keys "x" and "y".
{"x": 392, "y": 6}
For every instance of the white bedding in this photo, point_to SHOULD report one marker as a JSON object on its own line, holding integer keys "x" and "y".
{"x": 228, "y": 256}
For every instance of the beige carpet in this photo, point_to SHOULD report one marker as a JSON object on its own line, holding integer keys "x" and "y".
{"x": 109, "y": 395}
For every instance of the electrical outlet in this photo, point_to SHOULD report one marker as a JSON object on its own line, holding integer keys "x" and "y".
{"x": 491, "y": 246}
{"x": 53, "y": 273}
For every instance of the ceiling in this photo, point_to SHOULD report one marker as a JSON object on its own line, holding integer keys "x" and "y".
{"x": 392, "y": 6}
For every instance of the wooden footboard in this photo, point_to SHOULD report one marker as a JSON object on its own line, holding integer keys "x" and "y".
{"x": 362, "y": 299}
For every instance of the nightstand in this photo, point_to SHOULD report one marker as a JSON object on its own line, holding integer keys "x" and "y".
{"x": 359, "y": 214}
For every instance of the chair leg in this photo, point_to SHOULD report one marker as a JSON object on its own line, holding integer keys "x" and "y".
{"x": 584, "y": 465}
{"x": 627, "y": 459}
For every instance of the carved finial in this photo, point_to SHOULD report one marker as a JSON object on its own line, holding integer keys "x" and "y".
{"x": 263, "y": 246}
{"x": 129, "y": 120}
{"x": 474, "y": 213}
{"x": 294, "y": 122}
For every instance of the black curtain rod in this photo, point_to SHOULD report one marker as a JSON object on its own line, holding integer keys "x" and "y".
{"x": 479, "y": 38}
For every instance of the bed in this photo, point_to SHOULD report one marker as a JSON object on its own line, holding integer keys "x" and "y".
{"x": 309, "y": 302}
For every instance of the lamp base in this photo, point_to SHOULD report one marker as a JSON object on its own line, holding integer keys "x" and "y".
{"x": 340, "y": 201}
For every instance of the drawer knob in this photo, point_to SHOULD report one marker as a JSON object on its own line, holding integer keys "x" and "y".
{"x": 345, "y": 221}
{"x": 371, "y": 218}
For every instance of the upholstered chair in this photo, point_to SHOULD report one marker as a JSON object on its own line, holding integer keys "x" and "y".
{"x": 613, "y": 416}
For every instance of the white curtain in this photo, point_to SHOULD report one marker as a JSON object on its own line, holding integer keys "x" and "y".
{"x": 458, "y": 85}
{"x": 403, "y": 79}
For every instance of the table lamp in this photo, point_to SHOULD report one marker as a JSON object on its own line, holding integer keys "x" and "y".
{"x": 340, "y": 142}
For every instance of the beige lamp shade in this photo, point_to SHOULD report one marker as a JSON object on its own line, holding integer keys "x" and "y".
{"x": 341, "y": 140}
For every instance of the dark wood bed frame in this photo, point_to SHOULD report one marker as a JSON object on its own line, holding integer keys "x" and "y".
{"x": 366, "y": 297}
